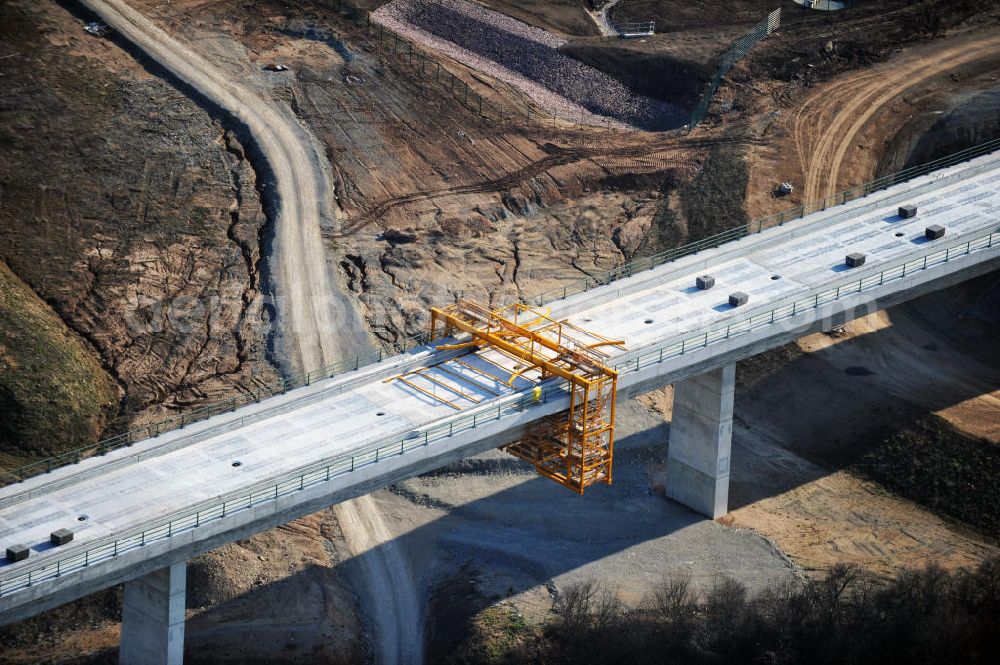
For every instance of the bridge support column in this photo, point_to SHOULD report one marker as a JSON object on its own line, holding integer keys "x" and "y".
{"x": 701, "y": 434}
{"x": 153, "y": 618}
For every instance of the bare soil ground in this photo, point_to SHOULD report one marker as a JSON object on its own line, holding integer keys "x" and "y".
{"x": 130, "y": 211}
{"x": 424, "y": 183}
{"x": 814, "y": 419}
{"x": 438, "y": 202}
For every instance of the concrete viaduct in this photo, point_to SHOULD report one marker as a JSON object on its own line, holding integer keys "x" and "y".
{"x": 137, "y": 514}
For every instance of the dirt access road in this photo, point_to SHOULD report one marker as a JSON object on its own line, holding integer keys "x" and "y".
{"x": 828, "y": 123}
{"x": 309, "y": 309}
{"x": 317, "y": 325}
{"x": 602, "y": 21}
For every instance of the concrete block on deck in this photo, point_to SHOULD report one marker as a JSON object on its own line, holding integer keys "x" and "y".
{"x": 60, "y": 537}
{"x": 18, "y": 553}
{"x": 855, "y": 259}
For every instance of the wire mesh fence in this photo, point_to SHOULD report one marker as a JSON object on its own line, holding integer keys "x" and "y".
{"x": 736, "y": 52}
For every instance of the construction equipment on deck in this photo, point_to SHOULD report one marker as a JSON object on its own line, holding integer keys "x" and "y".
{"x": 574, "y": 447}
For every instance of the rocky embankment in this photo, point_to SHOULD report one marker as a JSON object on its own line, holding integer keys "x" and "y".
{"x": 525, "y": 57}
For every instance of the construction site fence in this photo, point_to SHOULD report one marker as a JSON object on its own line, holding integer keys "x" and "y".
{"x": 736, "y": 52}
{"x": 249, "y": 396}
{"x": 314, "y": 474}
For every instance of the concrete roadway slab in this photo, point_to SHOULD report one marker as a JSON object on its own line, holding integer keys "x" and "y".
{"x": 802, "y": 255}
{"x": 800, "y": 264}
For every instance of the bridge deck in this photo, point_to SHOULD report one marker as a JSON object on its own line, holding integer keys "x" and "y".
{"x": 965, "y": 199}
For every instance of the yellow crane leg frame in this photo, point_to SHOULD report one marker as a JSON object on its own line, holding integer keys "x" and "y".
{"x": 574, "y": 447}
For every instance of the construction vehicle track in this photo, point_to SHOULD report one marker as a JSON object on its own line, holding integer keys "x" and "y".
{"x": 559, "y": 156}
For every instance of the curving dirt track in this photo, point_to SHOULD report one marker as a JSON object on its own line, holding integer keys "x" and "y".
{"x": 310, "y": 311}
{"x": 317, "y": 325}
{"x": 399, "y": 638}
{"x": 826, "y": 125}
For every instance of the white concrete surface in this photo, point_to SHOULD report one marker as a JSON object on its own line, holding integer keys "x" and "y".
{"x": 701, "y": 436}
{"x": 133, "y": 488}
{"x": 153, "y": 618}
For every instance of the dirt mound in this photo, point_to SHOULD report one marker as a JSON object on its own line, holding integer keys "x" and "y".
{"x": 54, "y": 394}
{"x": 938, "y": 466}
{"x": 223, "y": 575}
{"x": 48, "y": 628}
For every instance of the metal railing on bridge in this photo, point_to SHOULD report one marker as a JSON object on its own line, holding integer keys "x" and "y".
{"x": 193, "y": 517}
{"x": 756, "y": 226}
{"x": 801, "y": 305}
{"x": 579, "y": 286}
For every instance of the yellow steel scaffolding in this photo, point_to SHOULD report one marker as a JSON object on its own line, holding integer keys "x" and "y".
{"x": 574, "y": 447}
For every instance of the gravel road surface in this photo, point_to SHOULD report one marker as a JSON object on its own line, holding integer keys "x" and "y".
{"x": 317, "y": 325}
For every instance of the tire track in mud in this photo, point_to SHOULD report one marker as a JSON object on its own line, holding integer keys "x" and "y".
{"x": 557, "y": 157}
{"x": 838, "y": 113}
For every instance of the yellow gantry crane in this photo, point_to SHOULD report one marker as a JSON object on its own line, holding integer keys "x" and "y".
{"x": 574, "y": 447}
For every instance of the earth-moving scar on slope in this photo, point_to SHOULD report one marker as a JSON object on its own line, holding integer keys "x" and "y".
{"x": 837, "y": 113}
{"x": 316, "y": 325}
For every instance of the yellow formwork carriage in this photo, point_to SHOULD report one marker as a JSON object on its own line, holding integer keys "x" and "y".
{"x": 574, "y": 447}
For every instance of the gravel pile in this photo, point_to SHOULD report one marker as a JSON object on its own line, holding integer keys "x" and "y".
{"x": 526, "y": 58}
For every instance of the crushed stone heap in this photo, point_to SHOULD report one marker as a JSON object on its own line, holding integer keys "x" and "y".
{"x": 527, "y": 58}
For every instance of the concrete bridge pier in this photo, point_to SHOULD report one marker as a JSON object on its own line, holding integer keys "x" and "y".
{"x": 153, "y": 618}
{"x": 701, "y": 435}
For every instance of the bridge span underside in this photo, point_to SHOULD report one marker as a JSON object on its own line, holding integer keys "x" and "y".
{"x": 161, "y": 501}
